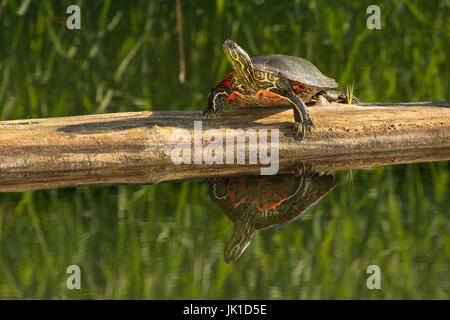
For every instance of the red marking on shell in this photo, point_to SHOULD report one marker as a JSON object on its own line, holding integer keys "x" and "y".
{"x": 267, "y": 94}
{"x": 229, "y": 214}
{"x": 232, "y": 193}
{"x": 271, "y": 204}
{"x": 226, "y": 81}
{"x": 261, "y": 94}
{"x": 311, "y": 193}
{"x": 232, "y": 99}
{"x": 296, "y": 206}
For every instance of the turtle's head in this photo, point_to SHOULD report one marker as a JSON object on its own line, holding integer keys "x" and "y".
{"x": 244, "y": 229}
{"x": 240, "y": 61}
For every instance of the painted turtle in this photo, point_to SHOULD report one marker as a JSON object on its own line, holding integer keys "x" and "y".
{"x": 273, "y": 79}
{"x": 261, "y": 202}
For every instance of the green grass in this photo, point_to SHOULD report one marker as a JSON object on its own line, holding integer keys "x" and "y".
{"x": 166, "y": 241}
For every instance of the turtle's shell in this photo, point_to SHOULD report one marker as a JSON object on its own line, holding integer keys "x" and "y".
{"x": 272, "y": 198}
{"x": 293, "y": 68}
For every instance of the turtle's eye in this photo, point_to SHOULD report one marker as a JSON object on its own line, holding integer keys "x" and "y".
{"x": 233, "y": 45}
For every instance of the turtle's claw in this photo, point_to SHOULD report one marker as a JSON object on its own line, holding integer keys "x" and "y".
{"x": 305, "y": 169}
{"x": 298, "y": 127}
{"x": 303, "y": 128}
{"x": 210, "y": 113}
{"x": 207, "y": 114}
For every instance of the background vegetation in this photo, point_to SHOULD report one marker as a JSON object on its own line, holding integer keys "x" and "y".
{"x": 166, "y": 241}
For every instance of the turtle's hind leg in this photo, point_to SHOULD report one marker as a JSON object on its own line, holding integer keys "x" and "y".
{"x": 335, "y": 96}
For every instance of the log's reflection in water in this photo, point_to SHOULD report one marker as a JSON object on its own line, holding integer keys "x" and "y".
{"x": 261, "y": 202}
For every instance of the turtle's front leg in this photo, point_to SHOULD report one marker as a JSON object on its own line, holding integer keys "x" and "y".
{"x": 216, "y": 97}
{"x": 303, "y": 121}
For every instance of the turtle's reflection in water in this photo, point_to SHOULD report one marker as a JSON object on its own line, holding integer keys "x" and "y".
{"x": 261, "y": 202}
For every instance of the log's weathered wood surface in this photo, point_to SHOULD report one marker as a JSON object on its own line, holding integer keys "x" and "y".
{"x": 135, "y": 147}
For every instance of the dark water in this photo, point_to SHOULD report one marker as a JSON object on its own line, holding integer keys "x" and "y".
{"x": 167, "y": 241}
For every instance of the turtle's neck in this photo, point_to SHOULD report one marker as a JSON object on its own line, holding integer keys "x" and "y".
{"x": 247, "y": 77}
{"x": 244, "y": 229}
{"x": 243, "y": 71}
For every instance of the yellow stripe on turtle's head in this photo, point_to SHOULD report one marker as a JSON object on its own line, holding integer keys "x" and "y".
{"x": 241, "y": 63}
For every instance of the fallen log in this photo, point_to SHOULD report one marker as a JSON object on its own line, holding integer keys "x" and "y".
{"x": 139, "y": 147}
